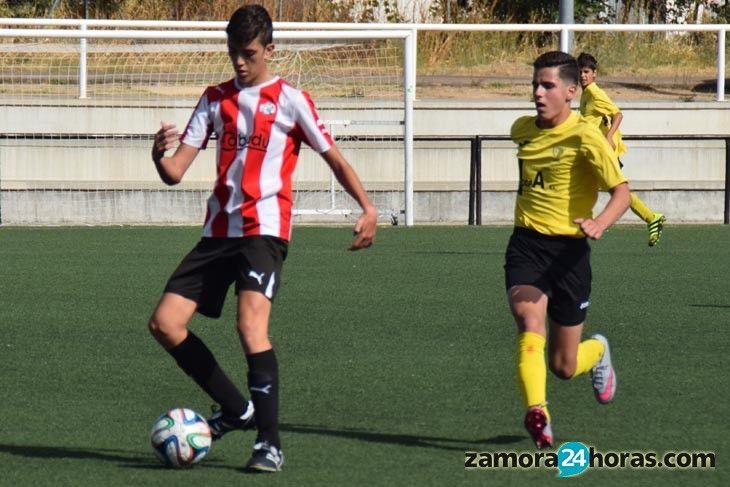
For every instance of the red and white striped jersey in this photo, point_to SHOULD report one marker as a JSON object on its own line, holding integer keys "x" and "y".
{"x": 259, "y": 130}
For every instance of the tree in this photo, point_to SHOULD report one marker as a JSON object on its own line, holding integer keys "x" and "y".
{"x": 26, "y": 8}
{"x": 546, "y": 11}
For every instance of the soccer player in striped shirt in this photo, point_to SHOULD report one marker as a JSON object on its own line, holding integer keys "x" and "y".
{"x": 260, "y": 122}
{"x": 597, "y": 107}
{"x": 563, "y": 161}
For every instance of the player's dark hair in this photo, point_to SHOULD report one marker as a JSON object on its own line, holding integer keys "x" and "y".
{"x": 586, "y": 60}
{"x": 248, "y": 23}
{"x": 567, "y": 65}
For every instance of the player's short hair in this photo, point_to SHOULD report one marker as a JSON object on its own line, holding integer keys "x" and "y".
{"x": 586, "y": 60}
{"x": 248, "y": 23}
{"x": 567, "y": 65}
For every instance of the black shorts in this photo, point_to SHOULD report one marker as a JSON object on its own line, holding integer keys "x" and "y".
{"x": 558, "y": 266}
{"x": 205, "y": 274}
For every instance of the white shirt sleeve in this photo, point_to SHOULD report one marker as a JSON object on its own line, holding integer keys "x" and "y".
{"x": 200, "y": 126}
{"x": 314, "y": 130}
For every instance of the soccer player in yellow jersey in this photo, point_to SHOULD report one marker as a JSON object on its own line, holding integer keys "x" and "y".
{"x": 563, "y": 161}
{"x": 597, "y": 107}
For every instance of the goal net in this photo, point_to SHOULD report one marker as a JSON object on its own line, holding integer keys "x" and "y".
{"x": 79, "y": 114}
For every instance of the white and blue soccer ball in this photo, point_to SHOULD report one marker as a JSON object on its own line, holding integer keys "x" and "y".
{"x": 180, "y": 437}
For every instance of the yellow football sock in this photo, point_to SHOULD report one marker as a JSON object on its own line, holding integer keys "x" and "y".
{"x": 640, "y": 208}
{"x": 589, "y": 353}
{"x": 531, "y": 370}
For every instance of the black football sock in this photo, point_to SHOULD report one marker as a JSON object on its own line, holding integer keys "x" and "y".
{"x": 263, "y": 384}
{"x": 198, "y": 362}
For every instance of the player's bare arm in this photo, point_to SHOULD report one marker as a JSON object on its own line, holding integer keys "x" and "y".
{"x": 366, "y": 225}
{"x": 616, "y": 206}
{"x": 615, "y": 122}
{"x": 171, "y": 169}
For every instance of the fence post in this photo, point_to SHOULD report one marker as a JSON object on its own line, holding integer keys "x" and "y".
{"x": 726, "y": 216}
{"x": 478, "y": 177}
{"x": 82, "y": 64}
{"x": 721, "y": 65}
{"x": 409, "y": 64}
{"x": 564, "y": 39}
{"x": 472, "y": 179}
{"x": 1, "y": 188}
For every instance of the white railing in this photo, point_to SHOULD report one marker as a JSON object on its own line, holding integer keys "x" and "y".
{"x": 564, "y": 29}
{"x": 83, "y": 33}
{"x": 87, "y": 29}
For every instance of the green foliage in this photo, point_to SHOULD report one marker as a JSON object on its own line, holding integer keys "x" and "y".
{"x": 546, "y": 11}
{"x": 517, "y": 11}
{"x": 721, "y": 12}
{"x": 25, "y": 8}
{"x": 644, "y": 50}
{"x": 661, "y": 11}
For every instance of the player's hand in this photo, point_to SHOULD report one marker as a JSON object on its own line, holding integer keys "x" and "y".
{"x": 365, "y": 229}
{"x": 590, "y": 227}
{"x": 165, "y": 138}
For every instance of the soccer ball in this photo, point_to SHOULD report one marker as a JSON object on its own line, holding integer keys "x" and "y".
{"x": 180, "y": 437}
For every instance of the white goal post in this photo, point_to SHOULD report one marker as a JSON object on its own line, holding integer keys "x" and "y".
{"x": 366, "y": 66}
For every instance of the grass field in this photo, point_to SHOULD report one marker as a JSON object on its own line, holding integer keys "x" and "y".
{"x": 394, "y": 361}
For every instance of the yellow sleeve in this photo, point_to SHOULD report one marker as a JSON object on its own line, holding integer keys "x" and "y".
{"x": 602, "y": 158}
{"x": 603, "y": 104}
{"x": 520, "y": 126}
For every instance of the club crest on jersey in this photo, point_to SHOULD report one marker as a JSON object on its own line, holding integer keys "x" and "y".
{"x": 268, "y": 108}
{"x": 558, "y": 151}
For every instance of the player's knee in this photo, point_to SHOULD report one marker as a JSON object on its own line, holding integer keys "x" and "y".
{"x": 254, "y": 338}
{"x": 533, "y": 324}
{"x": 164, "y": 331}
{"x": 245, "y": 328}
{"x": 249, "y": 331}
{"x": 158, "y": 330}
{"x": 154, "y": 327}
{"x": 562, "y": 370}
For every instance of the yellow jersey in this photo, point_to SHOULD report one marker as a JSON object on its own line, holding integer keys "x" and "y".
{"x": 561, "y": 171}
{"x": 597, "y": 108}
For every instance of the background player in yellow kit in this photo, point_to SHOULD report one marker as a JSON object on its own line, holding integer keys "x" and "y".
{"x": 597, "y": 107}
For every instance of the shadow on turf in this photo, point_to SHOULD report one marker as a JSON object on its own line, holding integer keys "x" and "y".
{"x": 710, "y": 305}
{"x": 138, "y": 460}
{"x": 403, "y": 440}
{"x": 128, "y": 459}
